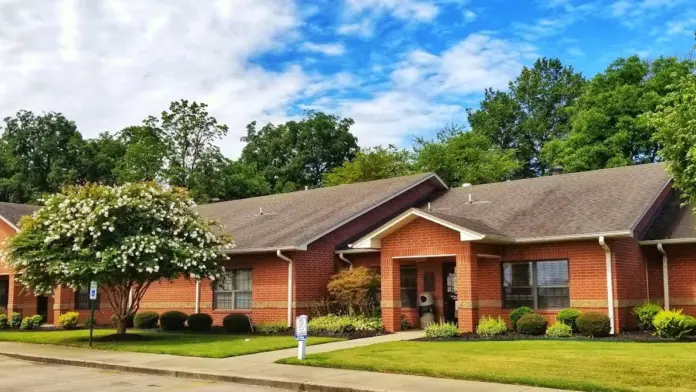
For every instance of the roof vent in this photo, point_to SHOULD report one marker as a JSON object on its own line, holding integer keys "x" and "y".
{"x": 468, "y": 186}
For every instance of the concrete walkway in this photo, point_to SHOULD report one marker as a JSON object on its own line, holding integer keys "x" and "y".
{"x": 250, "y": 369}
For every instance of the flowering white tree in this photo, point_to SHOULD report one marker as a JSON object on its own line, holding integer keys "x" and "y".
{"x": 125, "y": 238}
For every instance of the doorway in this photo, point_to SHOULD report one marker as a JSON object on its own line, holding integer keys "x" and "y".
{"x": 449, "y": 292}
{"x": 42, "y": 307}
{"x": 4, "y": 292}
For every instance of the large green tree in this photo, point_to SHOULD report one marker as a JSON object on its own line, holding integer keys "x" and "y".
{"x": 533, "y": 112}
{"x": 125, "y": 238}
{"x": 607, "y": 127}
{"x": 460, "y": 157}
{"x": 145, "y": 153}
{"x": 372, "y": 163}
{"x": 100, "y": 159}
{"x": 299, "y": 153}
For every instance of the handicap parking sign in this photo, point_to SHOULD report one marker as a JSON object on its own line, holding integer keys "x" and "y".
{"x": 301, "y": 328}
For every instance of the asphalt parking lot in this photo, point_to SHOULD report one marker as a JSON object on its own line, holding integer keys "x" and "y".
{"x": 22, "y": 376}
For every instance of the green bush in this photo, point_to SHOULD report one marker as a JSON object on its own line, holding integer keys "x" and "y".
{"x": 691, "y": 324}
{"x": 516, "y": 314}
{"x": 441, "y": 330}
{"x": 173, "y": 320}
{"x": 405, "y": 324}
{"x": 342, "y": 324}
{"x": 15, "y": 320}
{"x": 129, "y": 321}
{"x": 4, "y": 324}
{"x": 568, "y": 317}
{"x": 200, "y": 322}
{"x": 488, "y": 326}
{"x": 236, "y": 323}
{"x": 559, "y": 330}
{"x": 146, "y": 320}
{"x": 69, "y": 320}
{"x": 532, "y": 324}
{"x": 671, "y": 324}
{"x": 645, "y": 314}
{"x": 29, "y": 323}
{"x": 271, "y": 328}
{"x": 594, "y": 324}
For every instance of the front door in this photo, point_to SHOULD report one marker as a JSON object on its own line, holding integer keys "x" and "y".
{"x": 42, "y": 307}
{"x": 449, "y": 294}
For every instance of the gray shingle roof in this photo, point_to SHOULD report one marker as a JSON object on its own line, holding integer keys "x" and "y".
{"x": 600, "y": 201}
{"x": 13, "y": 212}
{"x": 291, "y": 220}
{"x": 673, "y": 222}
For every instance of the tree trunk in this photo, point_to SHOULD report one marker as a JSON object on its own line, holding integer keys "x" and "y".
{"x": 121, "y": 326}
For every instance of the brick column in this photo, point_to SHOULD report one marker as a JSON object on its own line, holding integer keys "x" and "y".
{"x": 467, "y": 296}
{"x": 391, "y": 294}
{"x": 63, "y": 300}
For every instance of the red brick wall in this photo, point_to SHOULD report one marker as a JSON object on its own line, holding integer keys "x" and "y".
{"x": 682, "y": 275}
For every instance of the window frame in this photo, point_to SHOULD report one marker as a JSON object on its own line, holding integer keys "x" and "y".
{"x": 534, "y": 284}
{"x": 414, "y": 267}
{"x": 78, "y": 301}
{"x": 231, "y": 276}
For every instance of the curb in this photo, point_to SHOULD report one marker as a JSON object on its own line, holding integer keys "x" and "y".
{"x": 258, "y": 381}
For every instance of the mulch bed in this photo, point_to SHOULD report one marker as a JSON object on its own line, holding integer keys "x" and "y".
{"x": 633, "y": 336}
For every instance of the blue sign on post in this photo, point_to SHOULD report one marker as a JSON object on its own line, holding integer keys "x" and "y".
{"x": 301, "y": 336}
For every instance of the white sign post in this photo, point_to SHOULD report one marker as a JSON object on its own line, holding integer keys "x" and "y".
{"x": 301, "y": 336}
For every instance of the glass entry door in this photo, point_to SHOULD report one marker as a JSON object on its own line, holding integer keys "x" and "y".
{"x": 449, "y": 295}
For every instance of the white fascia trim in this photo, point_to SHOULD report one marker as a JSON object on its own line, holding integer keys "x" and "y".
{"x": 669, "y": 241}
{"x": 261, "y": 250}
{"x": 358, "y": 251}
{"x": 423, "y": 256}
{"x": 573, "y": 237}
{"x": 372, "y": 240}
{"x": 306, "y": 243}
{"x": 9, "y": 223}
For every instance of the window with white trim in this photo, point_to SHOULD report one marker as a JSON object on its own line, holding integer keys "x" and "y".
{"x": 233, "y": 291}
{"x": 537, "y": 284}
{"x": 409, "y": 286}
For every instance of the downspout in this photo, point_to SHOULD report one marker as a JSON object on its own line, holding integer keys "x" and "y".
{"x": 282, "y": 256}
{"x": 665, "y": 274}
{"x": 197, "y": 306}
{"x": 610, "y": 282}
{"x": 345, "y": 260}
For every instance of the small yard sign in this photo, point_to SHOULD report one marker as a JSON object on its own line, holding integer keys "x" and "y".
{"x": 93, "y": 287}
{"x": 301, "y": 336}
{"x": 93, "y": 290}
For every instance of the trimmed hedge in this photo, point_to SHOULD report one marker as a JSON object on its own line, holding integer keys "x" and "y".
{"x": 236, "y": 323}
{"x": 4, "y": 323}
{"x": 488, "y": 326}
{"x": 342, "y": 324}
{"x": 270, "y": 328}
{"x": 516, "y": 314}
{"x": 646, "y": 314}
{"x": 672, "y": 324}
{"x": 173, "y": 320}
{"x": 532, "y": 324}
{"x": 559, "y": 330}
{"x": 29, "y": 323}
{"x": 15, "y": 320}
{"x": 146, "y": 320}
{"x": 594, "y": 324}
{"x": 441, "y": 330}
{"x": 569, "y": 317}
{"x": 69, "y": 320}
{"x": 199, "y": 322}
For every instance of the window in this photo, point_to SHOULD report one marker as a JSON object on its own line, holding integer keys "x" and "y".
{"x": 537, "y": 284}
{"x": 234, "y": 291}
{"x": 4, "y": 297}
{"x": 409, "y": 288}
{"x": 82, "y": 299}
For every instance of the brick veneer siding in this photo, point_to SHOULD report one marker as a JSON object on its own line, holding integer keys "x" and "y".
{"x": 682, "y": 275}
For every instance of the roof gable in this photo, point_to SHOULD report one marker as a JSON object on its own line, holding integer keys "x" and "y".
{"x": 11, "y": 213}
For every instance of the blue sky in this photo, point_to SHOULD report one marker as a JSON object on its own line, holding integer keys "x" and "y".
{"x": 399, "y": 68}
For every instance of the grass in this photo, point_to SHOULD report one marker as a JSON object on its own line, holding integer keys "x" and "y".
{"x": 578, "y": 365}
{"x": 184, "y": 343}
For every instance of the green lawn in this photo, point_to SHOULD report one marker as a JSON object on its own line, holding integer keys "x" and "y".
{"x": 188, "y": 344}
{"x": 579, "y": 365}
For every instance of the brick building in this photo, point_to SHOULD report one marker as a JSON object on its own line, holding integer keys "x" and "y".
{"x": 603, "y": 240}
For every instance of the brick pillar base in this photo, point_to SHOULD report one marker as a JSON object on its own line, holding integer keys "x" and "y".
{"x": 468, "y": 318}
{"x": 391, "y": 294}
{"x": 467, "y": 295}
{"x": 391, "y": 319}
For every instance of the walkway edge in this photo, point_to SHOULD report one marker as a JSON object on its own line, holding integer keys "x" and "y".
{"x": 259, "y": 381}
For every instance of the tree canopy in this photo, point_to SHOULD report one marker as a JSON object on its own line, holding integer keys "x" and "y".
{"x": 125, "y": 238}
{"x": 374, "y": 163}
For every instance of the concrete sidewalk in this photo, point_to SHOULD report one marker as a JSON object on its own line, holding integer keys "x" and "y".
{"x": 244, "y": 371}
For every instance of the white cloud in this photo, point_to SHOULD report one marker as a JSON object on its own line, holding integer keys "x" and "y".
{"x": 547, "y": 26}
{"x": 636, "y": 13}
{"x": 404, "y": 9}
{"x": 363, "y": 28}
{"x": 469, "y": 16}
{"x": 327, "y": 49}
{"x": 110, "y": 64}
{"x": 575, "y": 52}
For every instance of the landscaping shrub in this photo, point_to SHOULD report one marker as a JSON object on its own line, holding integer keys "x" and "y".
{"x": 90, "y": 322}
{"x": 342, "y": 324}
{"x": 351, "y": 289}
{"x": 173, "y": 320}
{"x": 236, "y": 323}
{"x": 671, "y": 324}
{"x": 69, "y": 320}
{"x": 559, "y": 330}
{"x": 271, "y": 328}
{"x": 488, "y": 326}
{"x": 516, "y": 314}
{"x": 15, "y": 320}
{"x": 532, "y": 324}
{"x": 146, "y": 320}
{"x": 4, "y": 323}
{"x": 645, "y": 314}
{"x": 405, "y": 324}
{"x": 200, "y": 322}
{"x": 129, "y": 321}
{"x": 594, "y": 324}
{"x": 29, "y": 323}
{"x": 441, "y": 330}
{"x": 568, "y": 317}
{"x": 691, "y": 325}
